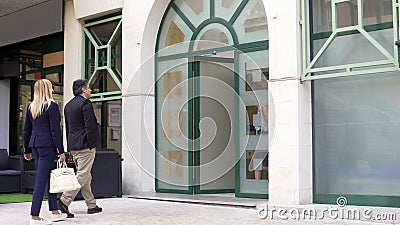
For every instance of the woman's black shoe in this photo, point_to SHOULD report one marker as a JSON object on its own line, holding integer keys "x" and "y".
{"x": 64, "y": 209}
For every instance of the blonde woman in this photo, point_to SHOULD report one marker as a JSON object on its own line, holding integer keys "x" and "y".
{"x": 42, "y": 134}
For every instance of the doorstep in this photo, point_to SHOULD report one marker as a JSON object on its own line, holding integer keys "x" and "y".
{"x": 225, "y": 199}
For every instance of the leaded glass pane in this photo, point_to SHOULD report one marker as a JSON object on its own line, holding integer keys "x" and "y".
{"x": 195, "y": 10}
{"x": 172, "y": 128}
{"x": 227, "y": 3}
{"x": 213, "y": 36}
{"x": 251, "y": 25}
{"x": 226, "y": 8}
{"x": 175, "y": 35}
{"x": 195, "y": 5}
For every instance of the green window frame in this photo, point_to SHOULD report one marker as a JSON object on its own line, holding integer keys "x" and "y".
{"x": 102, "y": 57}
{"x": 312, "y": 72}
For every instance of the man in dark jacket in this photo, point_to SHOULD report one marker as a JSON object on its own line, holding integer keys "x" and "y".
{"x": 82, "y": 140}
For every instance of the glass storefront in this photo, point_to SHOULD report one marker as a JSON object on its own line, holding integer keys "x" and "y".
{"x": 23, "y": 64}
{"x": 354, "y": 117}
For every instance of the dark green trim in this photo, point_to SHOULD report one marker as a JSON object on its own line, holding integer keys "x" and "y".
{"x": 155, "y": 126}
{"x": 173, "y": 191}
{"x": 215, "y": 191}
{"x": 253, "y": 46}
{"x": 183, "y": 17}
{"x": 191, "y": 160}
{"x": 369, "y": 28}
{"x": 245, "y": 48}
{"x": 212, "y": 8}
{"x": 172, "y": 57}
{"x": 156, "y": 98}
{"x": 210, "y": 51}
{"x": 161, "y": 26}
{"x": 314, "y": 180}
{"x": 208, "y": 22}
{"x": 196, "y": 121}
{"x": 362, "y": 200}
{"x": 103, "y": 17}
{"x": 248, "y": 195}
{"x": 214, "y": 59}
{"x": 116, "y": 56}
{"x": 311, "y": 28}
{"x": 238, "y": 11}
{"x": 398, "y": 53}
{"x": 237, "y": 131}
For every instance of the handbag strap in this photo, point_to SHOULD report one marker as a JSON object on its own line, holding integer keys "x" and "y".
{"x": 61, "y": 164}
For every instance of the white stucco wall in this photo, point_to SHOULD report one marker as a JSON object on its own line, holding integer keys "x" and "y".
{"x": 4, "y": 113}
{"x": 90, "y": 8}
{"x": 140, "y": 27}
{"x": 72, "y": 52}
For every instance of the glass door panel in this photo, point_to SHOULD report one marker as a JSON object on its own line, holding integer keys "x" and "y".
{"x": 253, "y": 123}
{"x": 173, "y": 155}
{"x": 214, "y": 125}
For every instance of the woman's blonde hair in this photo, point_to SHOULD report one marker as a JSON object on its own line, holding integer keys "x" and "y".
{"x": 42, "y": 97}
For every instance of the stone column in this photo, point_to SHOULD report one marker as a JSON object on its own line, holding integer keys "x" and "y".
{"x": 140, "y": 27}
{"x": 72, "y": 52}
{"x": 290, "y": 106}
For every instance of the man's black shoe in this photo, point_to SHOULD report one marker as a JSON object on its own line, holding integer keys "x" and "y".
{"x": 94, "y": 210}
{"x": 64, "y": 209}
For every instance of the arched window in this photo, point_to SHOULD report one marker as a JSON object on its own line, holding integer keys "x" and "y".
{"x": 225, "y": 41}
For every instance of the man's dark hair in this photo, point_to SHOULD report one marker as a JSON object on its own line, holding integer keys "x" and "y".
{"x": 78, "y": 85}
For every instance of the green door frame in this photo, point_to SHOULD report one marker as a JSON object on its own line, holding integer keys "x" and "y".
{"x": 195, "y": 117}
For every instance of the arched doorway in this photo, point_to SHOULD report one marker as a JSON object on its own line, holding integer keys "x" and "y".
{"x": 212, "y": 99}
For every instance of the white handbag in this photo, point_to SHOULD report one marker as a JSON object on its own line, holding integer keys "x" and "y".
{"x": 63, "y": 179}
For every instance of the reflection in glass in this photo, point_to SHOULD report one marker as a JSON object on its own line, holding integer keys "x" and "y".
{"x": 347, "y": 13}
{"x": 33, "y": 76}
{"x": 251, "y": 25}
{"x": 102, "y": 33}
{"x": 110, "y": 133}
{"x": 251, "y": 112}
{"x": 256, "y": 79}
{"x": 257, "y": 20}
{"x": 102, "y": 54}
{"x": 54, "y": 77}
{"x": 257, "y": 164}
{"x": 374, "y": 12}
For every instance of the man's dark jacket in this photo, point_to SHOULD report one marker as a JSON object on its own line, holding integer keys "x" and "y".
{"x": 43, "y": 131}
{"x": 80, "y": 124}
